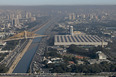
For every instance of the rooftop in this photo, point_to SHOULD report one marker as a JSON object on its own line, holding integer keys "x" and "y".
{"x": 79, "y": 40}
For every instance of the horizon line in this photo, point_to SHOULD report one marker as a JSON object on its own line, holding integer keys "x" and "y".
{"x": 66, "y": 5}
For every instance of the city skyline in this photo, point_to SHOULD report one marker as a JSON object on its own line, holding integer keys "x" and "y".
{"x": 57, "y": 40}
{"x": 60, "y": 2}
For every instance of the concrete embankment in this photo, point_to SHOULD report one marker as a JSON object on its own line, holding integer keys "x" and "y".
{"x": 19, "y": 57}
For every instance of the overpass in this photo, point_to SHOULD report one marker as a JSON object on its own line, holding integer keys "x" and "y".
{"x": 24, "y": 63}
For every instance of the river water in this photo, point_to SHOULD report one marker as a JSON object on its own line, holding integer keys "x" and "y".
{"x": 24, "y": 63}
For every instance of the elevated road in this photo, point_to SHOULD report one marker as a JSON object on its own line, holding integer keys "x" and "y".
{"x": 15, "y": 56}
{"x": 9, "y": 59}
{"x": 18, "y": 58}
{"x": 24, "y": 38}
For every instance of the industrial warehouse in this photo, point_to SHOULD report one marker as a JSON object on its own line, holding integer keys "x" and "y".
{"x": 80, "y": 39}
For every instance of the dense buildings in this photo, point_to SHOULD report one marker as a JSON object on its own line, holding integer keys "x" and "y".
{"x": 15, "y": 22}
{"x": 79, "y": 39}
{"x": 90, "y": 30}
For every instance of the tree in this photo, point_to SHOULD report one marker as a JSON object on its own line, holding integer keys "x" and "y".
{"x": 74, "y": 60}
{"x": 3, "y": 69}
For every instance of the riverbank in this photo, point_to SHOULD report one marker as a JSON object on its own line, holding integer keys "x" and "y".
{"x": 19, "y": 57}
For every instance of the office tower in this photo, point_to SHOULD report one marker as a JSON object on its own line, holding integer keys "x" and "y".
{"x": 73, "y": 16}
{"x": 15, "y": 22}
{"x": 19, "y": 16}
{"x": 33, "y": 19}
{"x": 71, "y": 30}
{"x": 27, "y": 15}
{"x": 70, "y": 16}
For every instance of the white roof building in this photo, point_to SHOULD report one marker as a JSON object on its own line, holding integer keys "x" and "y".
{"x": 101, "y": 55}
{"x": 79, "y": 40}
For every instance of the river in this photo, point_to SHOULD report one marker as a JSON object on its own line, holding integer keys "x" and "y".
{"x": 24, "y": 63}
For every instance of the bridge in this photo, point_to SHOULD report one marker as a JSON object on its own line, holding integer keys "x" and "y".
{"x": 24, "y": 35}
{"x": 18, "y": 53}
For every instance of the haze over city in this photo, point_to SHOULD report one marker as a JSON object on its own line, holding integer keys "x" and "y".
{"x": 58, "y": 38}
{"x": 57, "y": 2}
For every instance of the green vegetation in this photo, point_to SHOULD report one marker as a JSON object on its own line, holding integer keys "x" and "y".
{"x": 112, "y": 50}
{"x": 69, "y": 58}
{"x": 112, "y": 46}
{"x": 50, "y": 41}
{"x": 61, "y": 68}
{"x": 75, "y": 67}
{"x": 94, "y": 68}
{"x": 52, "y": 54}
{"x": 3, "y": 69}
{"x": 11, "y": 45}
{"x": 2, "y": 55}
{"x": 91, "y": 52}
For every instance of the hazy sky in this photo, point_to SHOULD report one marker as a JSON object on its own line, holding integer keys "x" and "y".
{"x": 57, "y": 2}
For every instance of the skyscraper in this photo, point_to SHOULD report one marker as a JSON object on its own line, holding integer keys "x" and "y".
{"x": 15, "y": 22}
{"x": 70, "y": 16}
{"x": 73, "y": 16}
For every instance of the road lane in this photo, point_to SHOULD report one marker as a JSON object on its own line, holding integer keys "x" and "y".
{"x": 23, "y": 65}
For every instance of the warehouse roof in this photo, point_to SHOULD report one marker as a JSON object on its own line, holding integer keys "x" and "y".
{"x": 77, "y": 38}
{"x": 80, "y": 39}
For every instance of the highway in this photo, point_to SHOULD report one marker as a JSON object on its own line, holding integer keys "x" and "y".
{"x": 24, "y": 63}
{"x": 12, "y": 55}
{"x": 19, "y": 56}
{"x": 38, "y": 57}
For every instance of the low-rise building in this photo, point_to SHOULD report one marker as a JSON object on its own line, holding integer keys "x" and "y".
{"x": 101, "y": 55}
{"x": 53, "y": 60}
{"x": 2, "y": 43}
{"x": 80, "y": 62}
{"x": 96, "y": 61}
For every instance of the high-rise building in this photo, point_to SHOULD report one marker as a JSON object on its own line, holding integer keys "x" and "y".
{"x": 78, "y": 16}
{"x": 33, "y": 19}
{"x": 28, "y": 15}
{"x": 19, "y": 16}
{"x": 84, "y": 16}
{"x": 73, "y": 16}
{"x": 70, "y": 16}
{"x": 91, "y": 16}
{"x": 8, "y": 25}
{"x": 71, "y": 30}
{"x": 8, "y": 17}
{"x": 15, "y": 22}
{"x": 12, "y": 16}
